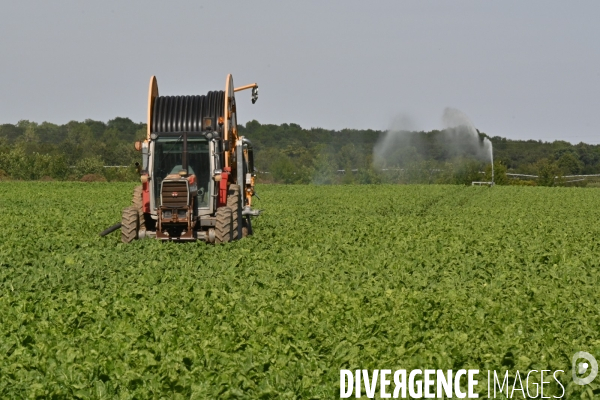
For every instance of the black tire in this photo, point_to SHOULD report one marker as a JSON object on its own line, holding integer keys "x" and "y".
{"x": 130, "y": 221}
{"x": 233, "y": 202}
{"x": 136, "y": 201}
{"x": 223, "y": 225}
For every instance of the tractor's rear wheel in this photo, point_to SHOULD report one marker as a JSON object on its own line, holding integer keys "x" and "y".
{"x": 233, "y": 202}
{"x": 223, "y": 225}
{"x": 130, "y": 221}
{"x": 136, "y": 201}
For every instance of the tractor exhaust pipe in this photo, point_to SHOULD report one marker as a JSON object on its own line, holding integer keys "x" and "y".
{"x": 110, "y": 230}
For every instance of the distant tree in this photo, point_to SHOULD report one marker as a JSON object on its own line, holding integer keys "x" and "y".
{"x": 349, "y": 157}
{"x": 51, "y": 133}
{"x": 126, "y": 127}
{"x": 11, "y": 132}
{"x": 369, "y": 175}
{"x": 500, "y": 177}
{"x": 58, "y": 167}
{"x": 283, "y": 170}
{"x": 89, "y": 166}
{"x": 96, "y": 127}
{"x": 265, "y": 158}
{"x": 569, "y": 163}
{"x": 324, "y": 169}
{"x": 547, "y": 172}
{"x": 467, "y": 171}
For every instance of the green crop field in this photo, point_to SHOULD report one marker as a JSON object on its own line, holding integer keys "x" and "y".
{"x": 335, "y": 277}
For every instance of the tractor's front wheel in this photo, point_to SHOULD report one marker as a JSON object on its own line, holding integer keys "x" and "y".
{"x": 136, "y": 201}
{"x": 130, "y": 222}
{"x": 233, "y": 202}
{"x": 223, "y": 225}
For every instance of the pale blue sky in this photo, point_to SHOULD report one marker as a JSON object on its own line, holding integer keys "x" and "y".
{"x": 518, "y": 69}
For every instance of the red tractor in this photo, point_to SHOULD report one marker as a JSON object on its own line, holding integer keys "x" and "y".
{"x": 197, "y": 173}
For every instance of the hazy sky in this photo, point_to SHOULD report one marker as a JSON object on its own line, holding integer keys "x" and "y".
{"x": 518, "y": 69}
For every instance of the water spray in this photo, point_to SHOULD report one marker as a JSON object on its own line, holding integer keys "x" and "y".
{"x": 492, "y": 156}
{"x": 459, "y": 135}
{"x": 488, "y": 142}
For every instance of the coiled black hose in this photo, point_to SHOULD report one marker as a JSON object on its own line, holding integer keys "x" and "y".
{"x": 186, "y": 113}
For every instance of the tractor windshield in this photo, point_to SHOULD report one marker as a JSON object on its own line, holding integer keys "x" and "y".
{"x": 168, "y": 153}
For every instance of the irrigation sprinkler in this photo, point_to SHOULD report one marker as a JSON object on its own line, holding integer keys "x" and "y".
{"x": 492, "y": 156}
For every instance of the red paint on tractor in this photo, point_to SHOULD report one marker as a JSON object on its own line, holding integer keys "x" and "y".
{"x": 223, "y": 183}
{"x": 146, "y": 197}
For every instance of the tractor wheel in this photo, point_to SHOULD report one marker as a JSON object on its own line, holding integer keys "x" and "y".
{"x": 223, "y": 225}
{"x": 233, "y": 202}
{"x": 130, "y": 221}
{"x": 137, "y": 203}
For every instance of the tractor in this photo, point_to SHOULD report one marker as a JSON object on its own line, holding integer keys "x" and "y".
{"x": 197, "y": 172}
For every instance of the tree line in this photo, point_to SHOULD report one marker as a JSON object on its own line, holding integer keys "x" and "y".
{"x": 291, "y": 154}
{"x": 288, "y": 153}
{"x": 73, "y": 151}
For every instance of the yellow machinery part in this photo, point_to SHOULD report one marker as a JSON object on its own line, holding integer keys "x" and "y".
{"x": 152, "y": 94}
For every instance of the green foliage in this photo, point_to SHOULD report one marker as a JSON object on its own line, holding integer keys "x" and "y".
{"x": 89, "y": 165}
{"x": 287, "y": 153}
{"x": 57, "y": 167}
{"x": 34, "y": 151}
{"x": 324, "y": 169}
{"x": 408, "y": 157}
{"x": 547, "y": 172}
{"x": 522, "y": 182}
{"x": 284, "y": 171}
{"x": 500, "y": 177}
{"x": 466, "y": 172}
{"x": 569, "y": 163}
{"x": 16, "y": 164}
{"x": 335, "y": 277}
{"x": 121, "y": 174}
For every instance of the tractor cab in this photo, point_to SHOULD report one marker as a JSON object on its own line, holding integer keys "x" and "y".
{"x": 168, "y": 160}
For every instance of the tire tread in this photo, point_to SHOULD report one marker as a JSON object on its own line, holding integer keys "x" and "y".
{"x": 233, "y": 202}
{"x": 129, "y": 224}
{"x": 223, "y": 225}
